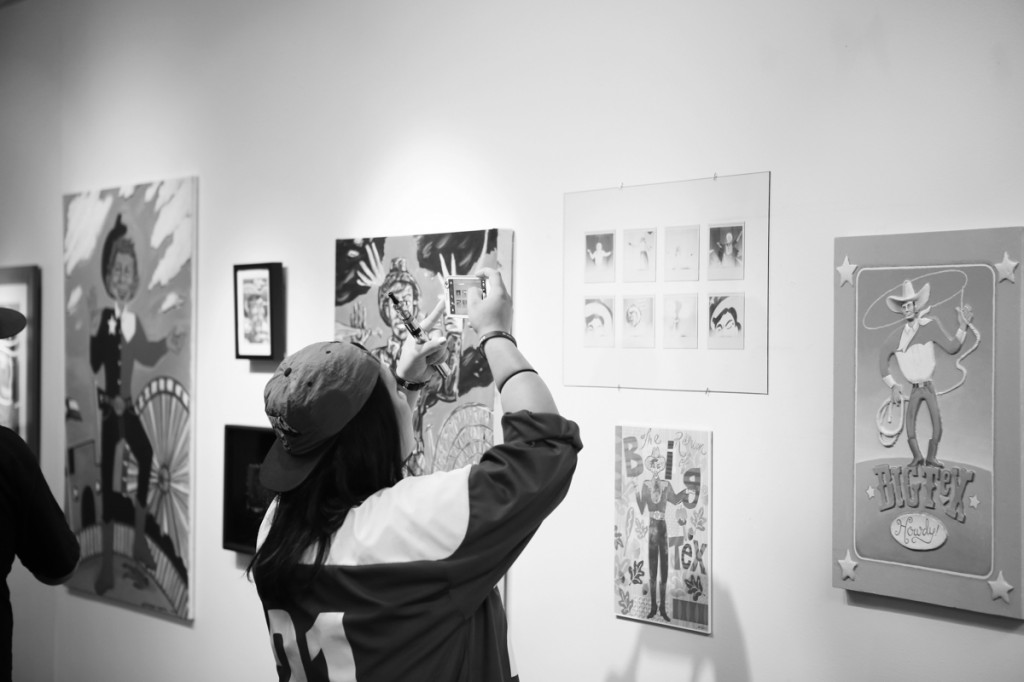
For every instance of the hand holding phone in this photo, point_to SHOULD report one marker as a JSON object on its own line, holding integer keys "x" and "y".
{"x": 457, "y": 290}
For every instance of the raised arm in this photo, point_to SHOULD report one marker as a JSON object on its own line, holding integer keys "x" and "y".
{"x": 520, "y": 386}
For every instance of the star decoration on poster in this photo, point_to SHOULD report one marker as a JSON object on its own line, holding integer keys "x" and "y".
{"x": 870, "y": 491}
{"x": 1000, "y": 588}
{"x": 973, "y": 501}
{"x": 846, "y": 272}
{"x": 848, "y": 565}
{"x": 1006, "y": 268}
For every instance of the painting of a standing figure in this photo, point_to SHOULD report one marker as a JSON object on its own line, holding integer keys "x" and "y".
{"x": 913, "y": 346}
{"x": 663, "y": 526}
{"x": 129, "y": 291}
{"x": 927, "y": 476}
{"x": 453, "y": 416}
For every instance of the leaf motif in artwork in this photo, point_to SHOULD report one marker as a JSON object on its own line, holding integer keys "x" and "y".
{"x": 641, "y": 530}
{"x": 694, "y": 587}
{"x": 625, "y": 602}
{"x": 637, "y": 573}
{"x": 700, "y": 519}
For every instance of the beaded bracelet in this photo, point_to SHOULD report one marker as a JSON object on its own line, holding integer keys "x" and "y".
{"x": 493, "y": 335}
{"x": 518, "y": 371}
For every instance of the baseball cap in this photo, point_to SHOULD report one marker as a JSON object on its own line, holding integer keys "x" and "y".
{"x": 310, "y": 398}
{"x": 11, "y": 322}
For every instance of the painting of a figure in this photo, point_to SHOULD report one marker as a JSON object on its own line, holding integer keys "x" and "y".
{"x": 725, "y": 321}
{"x": 599, "y": 322}
{"x": 725, "y": 257}
{"x": 259, "y": 318}
{"x": 255, "y": 309}
{"x": 680, "y": 325}
{"x": 641, "y": 255}
{"x": 599, "y": 264}
{"x": 129, "y": 306}
{"x": 663, "y": 526}
{"x": 454, "y": 414}
{"x": 927, "y": 444}
{"x": 638, "y": 322}
{"x": 924, "y": 385}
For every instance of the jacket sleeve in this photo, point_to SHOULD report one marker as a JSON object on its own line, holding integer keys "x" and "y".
{"x": 515, "y": 486}
{"x": 44, "y": 542}
{"x": 99, "y": 342}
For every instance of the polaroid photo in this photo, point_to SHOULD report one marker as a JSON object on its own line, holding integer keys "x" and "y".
{"x": 725, "y": 321}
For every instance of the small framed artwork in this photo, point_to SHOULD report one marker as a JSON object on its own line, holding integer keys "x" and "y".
{"x": 259, "y": 311}
{"x": 245, "y": 500}
{"x": 599, "y": 265}
{"x": 638, "y": 322}
{"x": 725, "y": 255}
{"x": 682, "y": 249}
{"x": 680, "y": 328}
{"x": 19, "y": 355}
{"x": 641, "y": 250}
{"x": 599, "y": 322}
{"x": 725, "y": 321}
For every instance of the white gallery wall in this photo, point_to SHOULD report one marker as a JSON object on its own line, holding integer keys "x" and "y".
{"x": 309, "y": 121}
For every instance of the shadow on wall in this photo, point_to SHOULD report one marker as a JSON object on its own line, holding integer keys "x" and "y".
{"x": 721, "y": 655}
{"x": 934, "y": 612}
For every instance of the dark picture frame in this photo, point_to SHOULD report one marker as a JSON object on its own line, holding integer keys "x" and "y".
{"x": 259, "y": 311}
{"x": 245, "y": 500}
{"x": 20, "y": 289}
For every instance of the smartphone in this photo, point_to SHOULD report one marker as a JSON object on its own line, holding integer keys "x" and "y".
{"x": 458, "y": 289}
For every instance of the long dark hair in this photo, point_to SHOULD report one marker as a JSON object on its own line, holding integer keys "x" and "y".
{"x": 366, "y": 456}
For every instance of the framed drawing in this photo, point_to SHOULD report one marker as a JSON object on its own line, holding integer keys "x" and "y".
{"x": 599, "y": 264}
{"x": 928, "y": 440}
{"x": 645, "y": 269}
{"x": 129, "y": 307}
{"x": 663, "y": 526}
{"x": 19, "y": 355}
{"x": 259, "y": 312}
{"x": 453, "y": 417}
{"x": 245, "y": 500}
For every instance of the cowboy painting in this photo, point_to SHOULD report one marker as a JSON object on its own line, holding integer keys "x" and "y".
{"x": 927, "y": 341}
{"x": 913, "y": 345}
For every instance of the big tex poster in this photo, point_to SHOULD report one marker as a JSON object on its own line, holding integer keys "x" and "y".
{"x": 927, "y": 417}
{"x": 663, "y": 526}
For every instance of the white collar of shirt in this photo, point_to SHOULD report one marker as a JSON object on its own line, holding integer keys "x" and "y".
{"x": 129, "y": 321}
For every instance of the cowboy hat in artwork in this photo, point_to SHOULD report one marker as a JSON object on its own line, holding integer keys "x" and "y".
{"x": 919, "y": 297}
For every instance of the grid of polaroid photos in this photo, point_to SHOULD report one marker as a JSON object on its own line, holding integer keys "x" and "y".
{"x": 674, "y": 287}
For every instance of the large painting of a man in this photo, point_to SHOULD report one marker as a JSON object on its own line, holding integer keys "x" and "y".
{"x": 453, "y": 415}
{"x": 129, "y": 284}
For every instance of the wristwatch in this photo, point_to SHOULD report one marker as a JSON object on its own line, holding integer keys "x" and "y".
{"x": 409, "y": 385}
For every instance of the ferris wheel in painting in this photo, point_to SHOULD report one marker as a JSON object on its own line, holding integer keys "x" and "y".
{"x": 163, "y": 408}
